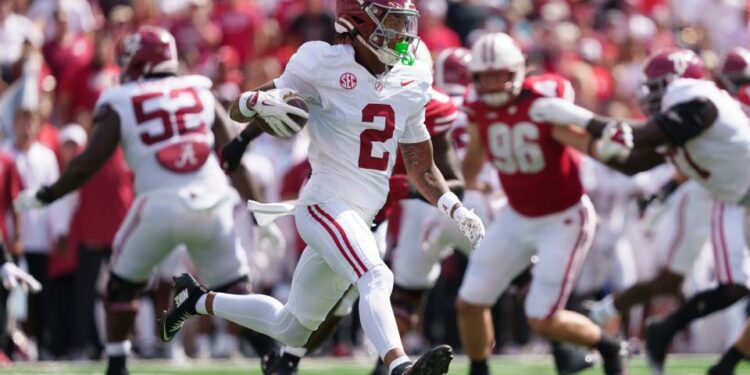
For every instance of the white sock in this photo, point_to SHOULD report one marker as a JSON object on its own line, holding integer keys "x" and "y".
{"x": 376, "y": 313}
{"x": 397, "y": 362}
{"x": 262, "y": 314}
{"x": 297, "y": 352}
{"x": 118, "y": 349}
{"x": 200, "y": 306}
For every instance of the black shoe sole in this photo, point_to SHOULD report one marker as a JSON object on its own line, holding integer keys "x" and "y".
{"x": 434, "y": 362}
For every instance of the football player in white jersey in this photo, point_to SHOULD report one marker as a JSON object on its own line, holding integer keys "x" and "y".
{"x": 366, "y": 96}
{"x": 166, "y": 125}
{"x": 707, "y": 137}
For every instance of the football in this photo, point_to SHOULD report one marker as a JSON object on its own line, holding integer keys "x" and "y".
{"x": 293, "y": 100}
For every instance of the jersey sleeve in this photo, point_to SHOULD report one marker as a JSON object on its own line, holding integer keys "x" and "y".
{"x": 303, "y": 71}
{"x": 552, "y": 86}
{"x": 415, "y": 130}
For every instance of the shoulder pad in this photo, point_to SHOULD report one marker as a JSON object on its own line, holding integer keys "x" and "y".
{"x": 198, "y": 81}
{"x": 440, "y": 115}
{"x": 550, "y": 85}
{"x": 686, "y": 89}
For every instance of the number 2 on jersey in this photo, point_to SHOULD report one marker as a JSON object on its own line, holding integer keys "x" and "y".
{"x": 513, "y": 148}
{"x": 368, "y": 136}
{"x": 168, "y": 122}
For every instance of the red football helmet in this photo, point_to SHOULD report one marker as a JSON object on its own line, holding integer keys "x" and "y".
{"x": 148, "y": 50}
{"x": 734, "y": 70}
{"x": 386, "y": 27}
{"x": 661, "y": 69}
{"x": 452, "y": 71}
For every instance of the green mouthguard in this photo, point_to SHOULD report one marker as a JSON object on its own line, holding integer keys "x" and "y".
{"x": 402, "y": 48}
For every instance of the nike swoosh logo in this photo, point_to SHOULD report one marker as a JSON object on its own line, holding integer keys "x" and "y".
{"x": 404, "y": 83}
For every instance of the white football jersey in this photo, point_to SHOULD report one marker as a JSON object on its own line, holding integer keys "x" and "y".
{"x": 356, "y": 120}
{"x": 719, "y": 157}
{"x": 165, "y": 132}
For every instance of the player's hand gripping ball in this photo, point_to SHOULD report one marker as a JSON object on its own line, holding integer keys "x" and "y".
{"x": 279, "y": 112}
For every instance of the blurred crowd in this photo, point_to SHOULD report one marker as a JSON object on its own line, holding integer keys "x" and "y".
{"x": 57, "y": 56}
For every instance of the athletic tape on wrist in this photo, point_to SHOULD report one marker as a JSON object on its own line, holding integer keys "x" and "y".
{"x": 448, "y": 202}
{"x": 242, "y": 105}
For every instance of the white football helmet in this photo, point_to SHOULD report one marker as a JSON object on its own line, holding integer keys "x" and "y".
{"x": 498, "y": 68}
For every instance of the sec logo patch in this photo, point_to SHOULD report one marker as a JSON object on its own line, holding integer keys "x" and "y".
{"x": 348, "y": 81}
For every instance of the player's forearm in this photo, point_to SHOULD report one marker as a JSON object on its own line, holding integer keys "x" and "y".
{"x": 448, "y": 163}
{"x": 422, "y": 171}
{"x": 78, "y": 172}
{"x": 645, "y": 134}
{"x": 638, "y": 161}
{"x": 246, "y": 185}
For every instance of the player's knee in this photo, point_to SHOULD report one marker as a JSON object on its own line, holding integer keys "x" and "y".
{"x": 123, "y": 295}
{"x": 407, "y": 303}
{"x": 238, "y": 286}
{"x": 378, "y": 278}
{"x": 465, "y": 307}
{"x": 541, "y": 326}
{"x": 291, "y": 332}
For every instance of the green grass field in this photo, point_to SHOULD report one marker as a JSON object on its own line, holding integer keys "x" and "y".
{"x": 527, "y": 365}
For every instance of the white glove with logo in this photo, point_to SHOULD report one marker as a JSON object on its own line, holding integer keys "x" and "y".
{"x": 468, "y": 222}
{"x": 271, "y": 106}
{"x": 27, "y": 200}
{"x": 616, "y": 142}
{"x": 558, "y": 111}
{"x": 470, "y": 225}
{"x": 11, "y": 276}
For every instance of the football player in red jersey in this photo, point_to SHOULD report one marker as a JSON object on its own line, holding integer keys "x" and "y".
{"x": 548, "y": 216}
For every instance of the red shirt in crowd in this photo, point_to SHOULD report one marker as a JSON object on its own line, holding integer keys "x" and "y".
{"x": 77, "y": 52}
{"x": 10, "y": 185}
{"x": 238, "y": 24}
{"x": 83, "y": 86}
{"x": 439, "y": 38}
{"x": 111, "y": 189}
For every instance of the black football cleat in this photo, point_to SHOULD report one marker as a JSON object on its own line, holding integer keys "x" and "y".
{"x": 276, "y": 363}
{"x": 614, "y": 359}
{"x": 657, "y": 343}
{"x": 187, "y": 291}
{"x": 434, "y": 362}
{"x": 117, "y": 365}
{"x": 569, "y": 359}
{"x": 379, "y": 368}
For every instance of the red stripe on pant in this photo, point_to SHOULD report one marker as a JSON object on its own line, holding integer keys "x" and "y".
{"x": 723, "y": 238}
{"x": 343, "y": 235}
{"x": 127, "y": 232}
{"x": 335, "y": 239}
{"x": 583, "y": 214}
{"x": 715, "y": 243}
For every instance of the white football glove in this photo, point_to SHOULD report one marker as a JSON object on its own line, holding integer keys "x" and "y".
{"x": 270, "y": 106}
{"x": 11, "y": 276}
{"x": 616, "y": 142}
{"x": 558, "y": 111}
{"x": 27, "y": 200}
{"x": 470, "y": 225}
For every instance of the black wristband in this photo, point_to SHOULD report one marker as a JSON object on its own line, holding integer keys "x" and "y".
{"x": 45, "y": 195}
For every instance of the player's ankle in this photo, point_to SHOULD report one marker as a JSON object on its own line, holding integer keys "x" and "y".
{"x": 205, "y": 304}
{"x": 118, "y": 349}
{"x": 479, "y": 367}
{"x": 398, "y": 365}
{"x": 608, "y": 345}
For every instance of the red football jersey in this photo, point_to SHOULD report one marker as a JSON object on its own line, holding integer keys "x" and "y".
{"x": 539, "y": 175}
{"x": 743, "y": 96}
